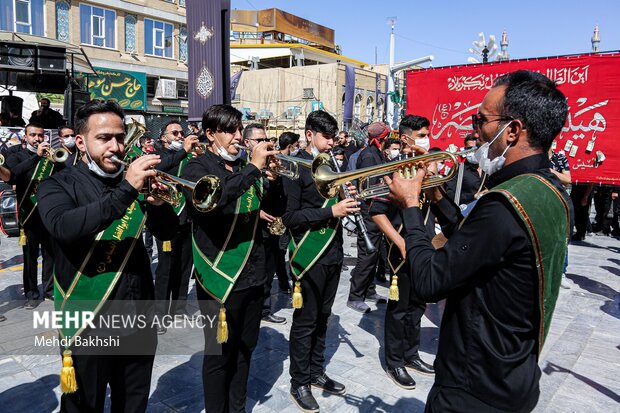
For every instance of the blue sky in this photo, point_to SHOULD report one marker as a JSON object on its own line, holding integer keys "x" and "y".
{"x": 446, "y": 29}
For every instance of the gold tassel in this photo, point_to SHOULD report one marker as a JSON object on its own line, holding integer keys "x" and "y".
{"x": 222, "y": 327}
{"x": 22, "y": 237}
{"x": 393, "y": 294}
{"x": 166, "y": 246}
{"x": 68, "y": 384}
{"x": 298, "y": 300}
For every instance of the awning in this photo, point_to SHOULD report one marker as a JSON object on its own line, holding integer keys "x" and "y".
{"x": 76, "y": 57}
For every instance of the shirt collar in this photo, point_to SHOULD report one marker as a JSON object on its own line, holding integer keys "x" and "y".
{"x": 528, "y": 164}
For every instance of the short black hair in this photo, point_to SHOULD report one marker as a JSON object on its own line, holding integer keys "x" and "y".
{"x": 42, "y": 99}
{"x": 338, "y": 151}
{"x": 33, "y": 125}
{"x": 412, "y": 122}
{"x": 345, "y": 133}
{"x": 222, "y": 118}
{"x": 143, "y": 138}
{"x": 536, "y": 101}
{"x": 468, "y": 137}
{"x": 322, "y": 122}
{"x": 93, "y": 107}
{"x": 63, "y": 127}
{"x": 392, "y": 141}
{"x": 162, "y": 132}
{"x": 288, "y": 138}
{"x": 247, "y": 131}
{"x": 193, "y": 124}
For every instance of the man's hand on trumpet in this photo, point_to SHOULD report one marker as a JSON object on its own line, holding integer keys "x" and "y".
{"x": 141, "y": 169}
{"x": 189, "y": 142}
{"x": 260, "y": 157}
{"x": 42, "y": 148}
{"x": 406, "y": 192}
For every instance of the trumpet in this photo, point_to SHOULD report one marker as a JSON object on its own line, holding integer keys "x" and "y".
{"x": 206, "y": 193}
{"x": 199, "y": 148}
{"x": 56, "y": 155}
{"x": 328, "y": 181}
{"x": 286, "y": 166}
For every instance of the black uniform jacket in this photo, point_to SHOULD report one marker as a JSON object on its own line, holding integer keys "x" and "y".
{"x": 75, "y": 205}
{"x": 304, "y": 211}
{"x": 486, "y": 272}
{"x": 210, "y": 228}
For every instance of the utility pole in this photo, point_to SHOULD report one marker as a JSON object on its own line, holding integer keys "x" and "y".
{"x": 393, "y": 108}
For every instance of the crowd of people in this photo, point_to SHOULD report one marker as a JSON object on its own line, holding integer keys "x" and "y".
{"x": 482, "y": 242}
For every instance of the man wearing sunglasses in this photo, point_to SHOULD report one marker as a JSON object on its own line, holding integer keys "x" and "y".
{"x": 174, "y": 255}
{"x": 501, "y": 268}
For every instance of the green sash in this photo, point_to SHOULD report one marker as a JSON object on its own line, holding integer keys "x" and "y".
{"x": 101, "y": 269}
{"x": 132, "y": 153}
{"x": 312, "y": 245}
{"x": 218, "y": 276}
{"x": 545, "y": 213}
{"x": 182, "y": 164}
{"x": 28, "y": 203}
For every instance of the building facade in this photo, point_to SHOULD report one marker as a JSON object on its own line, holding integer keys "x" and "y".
{"x": 138, "y": 47}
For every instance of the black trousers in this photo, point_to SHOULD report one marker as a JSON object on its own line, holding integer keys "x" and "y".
{"x": 148, "y": 242}
{"x": 307, "y": 338}
{"x": 582, "y": 212}
{"x": 363, "y": 275}
{"x": 402, "y": 325}
{"x": 275, "y": 262}
{"x": 173, "y": 272}
{"x": 37, "y": 237}
{"x": 451, "y": 400}
{"x": 603, "y": 205}
{"x": 129, "y": 378}
{"x": 225, "y": 376}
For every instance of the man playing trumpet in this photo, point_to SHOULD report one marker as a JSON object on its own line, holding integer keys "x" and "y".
{"x": 93, "y": 212}
{"x": 501, "y": 269}
{"x": 29, "y": 165}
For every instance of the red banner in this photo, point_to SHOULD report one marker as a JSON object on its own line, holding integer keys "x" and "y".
{"x": 590, "y": 138}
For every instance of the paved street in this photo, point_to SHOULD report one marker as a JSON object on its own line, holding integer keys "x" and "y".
{"x": 580, "y": 361}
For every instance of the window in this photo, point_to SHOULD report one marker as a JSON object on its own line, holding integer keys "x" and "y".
{"x": 97, "y": 26}
{"x": 22, "y": 16}
{"x": 370, "y": 109}
{"x": 157, "y": 38}
{"x": 357, "y": 106}
{"x": 182, "y": 89}
{"x": 151, "y": 85}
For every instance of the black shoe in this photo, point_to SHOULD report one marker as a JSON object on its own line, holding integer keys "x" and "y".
{"x": 285, "y": 289}
{"x": 359, "y": 306}
{"x": 377, "y": 298}
{"x": 49, "y": 297}
{"x": 420, "y": 366}
{"x": 303, "y": 398}
{"x": 274, "y": 319}
{"x": 401, "y": 378}
{"x": 2, "y": 318}
{"x": 328, "y": 385}
{"x": 31, "y": 304}
{"x": 161, "y": 330}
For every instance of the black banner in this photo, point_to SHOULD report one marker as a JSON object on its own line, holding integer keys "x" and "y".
{"x": 208, "y": 27}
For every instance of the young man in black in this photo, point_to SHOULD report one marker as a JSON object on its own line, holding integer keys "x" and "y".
{"x": 316, "y": 265}
{"x": 28, "y": 167}
{"x": 362, "y": 276}
{"x": 87, "y": 209}
{"x": 174, "y": 255}
{"x": 229, "y": 257}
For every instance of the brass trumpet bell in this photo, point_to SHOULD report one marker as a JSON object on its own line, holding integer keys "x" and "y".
{"x": 56, "y": 155}
{"x": 328, "y": 182}
{"x": 1, "y": 159}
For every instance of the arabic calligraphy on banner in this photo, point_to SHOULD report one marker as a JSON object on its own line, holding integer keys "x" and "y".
{"x": 449, "y": 96}
{"x": 127, "y": 88}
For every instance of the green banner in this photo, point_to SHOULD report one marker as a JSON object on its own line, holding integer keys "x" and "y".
{"x": 127, "y": 88}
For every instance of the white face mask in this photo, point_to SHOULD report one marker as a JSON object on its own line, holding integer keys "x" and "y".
{"x": 339, "y": 162}
{"x": 176, "y": 145}
{"x": 315, "y": 151}
{"x": 69, "y": 141}
{"x": 31, "y": 148}
{"x": 471, "y": 157}
{"x": 490, "y": 166}
{"x": 294, "y": 152}
{"x": 394, "y": 153}
{"x": 92, "y": 165}
{"x": 423, "y": 143}
{"x": 225, "y": 155}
